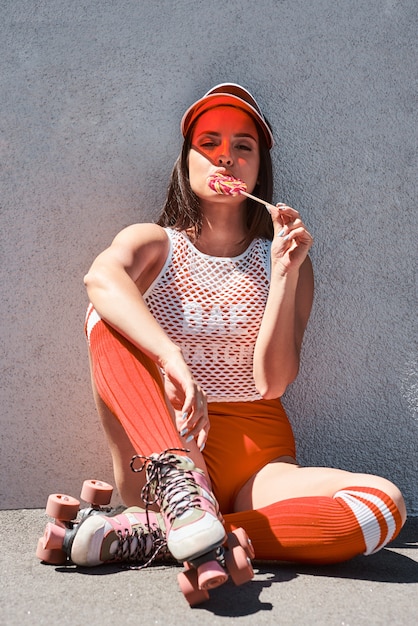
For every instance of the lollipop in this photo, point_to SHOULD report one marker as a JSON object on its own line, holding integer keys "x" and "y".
{"x": 230, "y": 186}
{"x": 226, "y": 185}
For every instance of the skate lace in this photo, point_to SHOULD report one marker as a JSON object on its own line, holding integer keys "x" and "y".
{"x": 172, "y": 488}
{"x": 150, "y": 546}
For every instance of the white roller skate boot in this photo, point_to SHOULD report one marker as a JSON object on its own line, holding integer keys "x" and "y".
{"x": 190, "y": 511}
{"x": 194, "y": 530}
{"x": 134, "y": 536}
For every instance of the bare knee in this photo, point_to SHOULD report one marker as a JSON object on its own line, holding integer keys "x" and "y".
{"x": 385, "y": 485}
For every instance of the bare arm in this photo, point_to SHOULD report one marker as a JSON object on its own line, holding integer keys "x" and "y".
{"x": 277, "y": 350}
{"x": 116, "y": 279}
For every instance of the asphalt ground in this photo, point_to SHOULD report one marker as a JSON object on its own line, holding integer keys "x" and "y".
{"x": 375, "y": 590}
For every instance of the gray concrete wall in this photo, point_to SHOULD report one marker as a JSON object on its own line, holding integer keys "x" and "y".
{"x": 91, "y": 95}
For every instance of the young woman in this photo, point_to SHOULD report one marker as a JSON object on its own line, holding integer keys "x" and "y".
{"x": 195, "y": 330}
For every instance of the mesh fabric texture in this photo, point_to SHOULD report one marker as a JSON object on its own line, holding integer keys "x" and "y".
{"x": 212, "y": 308}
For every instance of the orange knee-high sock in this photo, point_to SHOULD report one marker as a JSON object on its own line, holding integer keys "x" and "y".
{"x": 130, "y": 385}
{"x": 318, "y": 529}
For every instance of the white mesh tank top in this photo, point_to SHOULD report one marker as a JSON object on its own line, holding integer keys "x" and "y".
{"x": 212, "y": 308}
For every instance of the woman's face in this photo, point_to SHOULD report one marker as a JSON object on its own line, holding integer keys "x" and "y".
{"x": 224, "y": 140}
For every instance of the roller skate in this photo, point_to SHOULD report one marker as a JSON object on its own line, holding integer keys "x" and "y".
{"x": 96, "y": 535}
{"x": 194, "y": 531}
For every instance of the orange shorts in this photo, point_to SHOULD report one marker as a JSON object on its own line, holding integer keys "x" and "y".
{"x": 243, "y": 438}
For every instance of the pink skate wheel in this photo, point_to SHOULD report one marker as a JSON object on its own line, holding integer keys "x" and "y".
{"x": 211, "y": 575}
{"x": 53, "y": 537}
{"x": 239, "y": 537}
{"x": 190, "y": 588}
{"x": 62, "y": 507}
{"x": 96, "y": 492}
{"x": 53, "y": 557}
{"x": 239, "y": 565}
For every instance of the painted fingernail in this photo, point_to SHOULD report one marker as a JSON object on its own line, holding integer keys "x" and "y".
{"x": 184, "y": 432}
{"x": 189, "y": 439}
{"x": 281, "y": 233}
{"x": 202, "y": 447}
{"x": 184, "y": 416}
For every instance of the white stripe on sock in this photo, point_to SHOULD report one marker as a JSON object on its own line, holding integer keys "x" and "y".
{"x": 92, "y": 320}
{"x": 367, "y": 519}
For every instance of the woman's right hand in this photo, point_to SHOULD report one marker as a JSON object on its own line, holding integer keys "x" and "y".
{"x": 187, "y": 398}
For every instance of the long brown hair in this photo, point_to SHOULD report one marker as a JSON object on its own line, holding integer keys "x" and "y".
{"x": 182, "y": 211}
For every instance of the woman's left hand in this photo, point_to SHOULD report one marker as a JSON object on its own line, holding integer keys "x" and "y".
{"x": 292, "y": 240}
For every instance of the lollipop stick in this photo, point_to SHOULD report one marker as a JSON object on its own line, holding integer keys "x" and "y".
{"x": 266, "y": 204}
